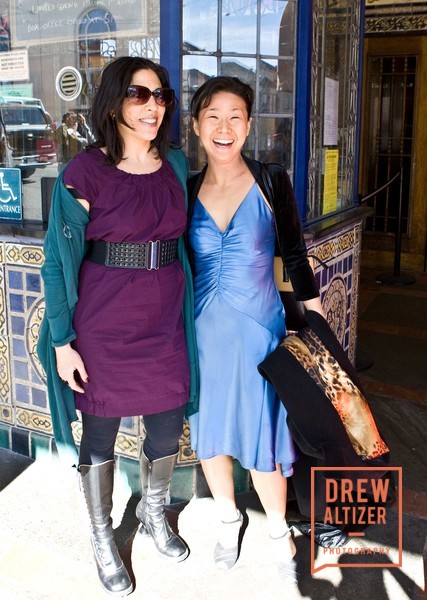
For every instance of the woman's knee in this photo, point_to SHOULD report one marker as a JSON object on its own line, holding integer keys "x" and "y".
{"x": 98, "y": 439}
{"x": 163, "y": 431}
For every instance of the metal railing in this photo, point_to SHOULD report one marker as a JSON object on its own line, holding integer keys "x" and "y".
{"x": 396, "y": 278}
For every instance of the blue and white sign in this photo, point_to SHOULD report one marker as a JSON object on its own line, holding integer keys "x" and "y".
{"x": 10, "y": 194}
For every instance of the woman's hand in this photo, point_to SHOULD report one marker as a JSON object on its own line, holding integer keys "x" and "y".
{"x": 68, "y": 361}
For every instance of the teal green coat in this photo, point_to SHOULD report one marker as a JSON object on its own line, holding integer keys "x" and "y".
{"x": 64, "y": 250}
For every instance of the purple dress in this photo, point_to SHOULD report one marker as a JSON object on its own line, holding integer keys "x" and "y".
{"x": 128, "y": 322}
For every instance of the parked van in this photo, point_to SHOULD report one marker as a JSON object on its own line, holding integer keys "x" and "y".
{"x": 27, "y": 134}
{"x": 24, "y": 100}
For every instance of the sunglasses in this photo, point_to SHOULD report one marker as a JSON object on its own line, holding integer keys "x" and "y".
{"x": 139, "y": 94}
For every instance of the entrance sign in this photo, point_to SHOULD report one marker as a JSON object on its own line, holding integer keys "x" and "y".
{"x": 10, "y": 194}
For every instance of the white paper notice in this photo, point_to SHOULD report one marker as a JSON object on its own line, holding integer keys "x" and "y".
{"x": 14, "y": 65}
{"x": 330, "y": 118}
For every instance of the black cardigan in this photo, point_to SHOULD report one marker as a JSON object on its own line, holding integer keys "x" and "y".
{"x": 290, "y": 240}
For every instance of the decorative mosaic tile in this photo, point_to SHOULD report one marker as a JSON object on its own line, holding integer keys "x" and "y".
{"x": 396, "y": 23}
{"x": 5, "y": 378}
{"x": 76, "y": 427}
{"x": 15, "y": 280}
{"x": 6, "y": 413}
{"x": 339, "y": 282}
{"x": 33, "y": 282}
{"x": 22, "y": 394}
{"x": 20, "y": 369}
{"x": 16, "y": 303}
{"x": 130, "y": 424}
{"x": 17, "y": 325}
{"x": 33, "y": 420}
{"x": 34, "y": 320}
{"x": 3, "y": 310}
{"x": 335, "y": 306}
{"x": 127, "y": 445}
{"x": 186, "y": 454}
{"x": 23, "y": 319}
{"x": 40, "y": 398}
{"x": 25, "y": 255}
{"x": 18, "y": 348}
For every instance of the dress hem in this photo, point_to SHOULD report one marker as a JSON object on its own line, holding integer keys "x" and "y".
{"x": 288, "y": 472}
{"x": 98, "y": 410}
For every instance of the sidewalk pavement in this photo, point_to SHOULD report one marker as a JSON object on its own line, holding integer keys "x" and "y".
{"x": 45, "y": 552}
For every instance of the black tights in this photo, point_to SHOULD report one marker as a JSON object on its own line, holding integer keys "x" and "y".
{"x": 99, "y": 436}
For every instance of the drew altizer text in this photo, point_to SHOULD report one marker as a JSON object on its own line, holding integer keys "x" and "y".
{"x": 352, "y": 497}
{"x": 365, "y": 503}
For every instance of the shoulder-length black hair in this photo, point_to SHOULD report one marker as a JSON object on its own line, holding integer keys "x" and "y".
{"x": 203, "y": 96}
{"x": 107, "y": 106}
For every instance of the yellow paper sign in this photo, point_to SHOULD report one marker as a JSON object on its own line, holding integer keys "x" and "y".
{"x": 330, "y": 181}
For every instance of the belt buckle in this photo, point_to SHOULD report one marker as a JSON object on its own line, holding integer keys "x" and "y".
{"x": 153, "y": 255}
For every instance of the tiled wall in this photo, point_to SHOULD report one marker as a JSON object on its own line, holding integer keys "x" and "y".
{"x": 25, "y": 423}
{"x": 339, "y": 282}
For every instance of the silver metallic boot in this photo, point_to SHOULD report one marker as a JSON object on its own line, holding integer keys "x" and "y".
{"x": 97, "y": 482}
{"x": 156, "y": 476}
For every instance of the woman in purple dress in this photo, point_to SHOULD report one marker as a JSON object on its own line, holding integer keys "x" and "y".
{"x": 128, "y": 356}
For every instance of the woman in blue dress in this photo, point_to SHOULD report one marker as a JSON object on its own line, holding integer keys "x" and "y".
{"x": 240, "y": 318}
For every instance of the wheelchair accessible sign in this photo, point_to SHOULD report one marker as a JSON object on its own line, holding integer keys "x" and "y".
{"x": 10, "y": 194}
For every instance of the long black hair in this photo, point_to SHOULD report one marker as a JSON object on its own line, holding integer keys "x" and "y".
{"x": 107, "y": 106}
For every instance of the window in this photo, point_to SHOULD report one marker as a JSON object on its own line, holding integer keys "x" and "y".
{"x": 255, "y": 41}
{"x": 56, "y": 51}
{"x": 334, "y": 99}
{"x": 97, "y": 45}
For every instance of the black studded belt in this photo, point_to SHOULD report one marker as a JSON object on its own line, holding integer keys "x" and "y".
{"x": 129, "y": 255}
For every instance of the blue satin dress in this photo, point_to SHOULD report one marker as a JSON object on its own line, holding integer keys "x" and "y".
{"x": 239, "y": 321}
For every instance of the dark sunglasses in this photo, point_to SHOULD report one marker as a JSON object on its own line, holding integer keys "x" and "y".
{"x": 139, "y": 94}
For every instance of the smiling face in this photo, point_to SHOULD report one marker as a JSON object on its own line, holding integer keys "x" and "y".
{"x": 223, "y": 127}
{"x": 143, "y": 119}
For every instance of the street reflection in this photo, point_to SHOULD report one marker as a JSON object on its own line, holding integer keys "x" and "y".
{"x": 32, "y": 195}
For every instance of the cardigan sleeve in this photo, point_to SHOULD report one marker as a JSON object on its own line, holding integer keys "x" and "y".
{"x": 179, "y": 162}
{"x": 290, "y": 237}
{"x": 64, "y": 248}
{"x": 56, "y": 306}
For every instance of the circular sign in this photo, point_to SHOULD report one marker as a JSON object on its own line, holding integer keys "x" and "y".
{"x": 68, "y": 83}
